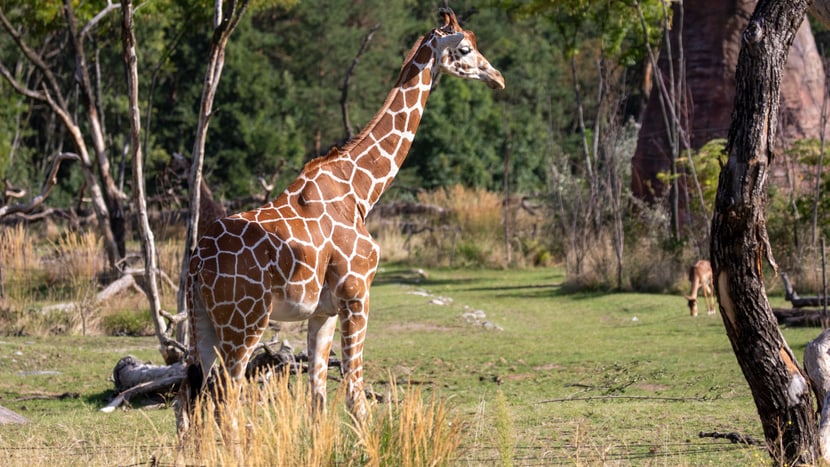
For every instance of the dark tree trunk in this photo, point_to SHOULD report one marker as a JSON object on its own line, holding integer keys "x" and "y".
{"x": 740, "y": 244}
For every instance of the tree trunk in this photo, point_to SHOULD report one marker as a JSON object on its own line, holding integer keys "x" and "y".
{"x": 110, "y": 192}
{"x": 170, "y": 351}
{"x": 740, "y": 243}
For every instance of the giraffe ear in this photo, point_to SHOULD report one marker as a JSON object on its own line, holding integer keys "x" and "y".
{"x": 448, "y": 42}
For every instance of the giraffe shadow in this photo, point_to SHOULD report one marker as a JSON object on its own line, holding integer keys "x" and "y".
{"x": 522, "y": 291}
{"x": 414, "y": 277}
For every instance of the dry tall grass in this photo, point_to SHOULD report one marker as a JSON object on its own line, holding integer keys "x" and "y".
{"x": 50, "y": 286}
{"x": 471, "y": 235}
{"x": 80, "y": 261}
{"x": 410, "y": 432}
{"x": 271, "y": 424}
{"x": 19, "y": 266}
{"x": 80, "y": 257}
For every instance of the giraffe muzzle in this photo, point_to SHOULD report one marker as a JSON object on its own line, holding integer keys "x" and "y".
{"x": 492, "y": 78}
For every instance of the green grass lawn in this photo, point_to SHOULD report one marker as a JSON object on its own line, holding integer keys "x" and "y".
{"x": 555, "y": 378}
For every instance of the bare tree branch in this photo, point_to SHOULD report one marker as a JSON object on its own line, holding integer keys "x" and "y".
{"x": 169, "y": 349}
{"x": 344, "y": 93}
{"x": 20, "y": 88}
{"x": 34, "y": 58}
{"x": 97, "y": 18}
{"x": 48, "y": 184}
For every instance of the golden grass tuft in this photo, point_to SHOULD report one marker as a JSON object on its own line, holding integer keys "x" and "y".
{"x": 80, "y": 260}
{"x": 409, "y": 431}
{"x": 19, "y": 264}
{"x": 477, "y": 210}
{"x": 61, "y": 274}
{"x": 80, "y": 257}
{"x": 271, "y": 424}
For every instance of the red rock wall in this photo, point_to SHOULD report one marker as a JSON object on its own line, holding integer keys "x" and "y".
{"x": 712, "y": 32}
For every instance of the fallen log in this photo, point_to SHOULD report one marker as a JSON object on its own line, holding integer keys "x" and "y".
{"x": 797, "y": 317}
{"x": 130, "y": 372}
{"x": 735, "y": 437}
{"x": 133, "y": 378}
{"x": 799, "y": 302}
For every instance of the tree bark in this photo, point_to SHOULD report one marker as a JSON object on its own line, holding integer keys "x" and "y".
{"x": 740, "y": 243}
{"x": 170, "y": 350}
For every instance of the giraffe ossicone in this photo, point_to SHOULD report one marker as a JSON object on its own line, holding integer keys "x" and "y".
{"x": 307, "y": 255}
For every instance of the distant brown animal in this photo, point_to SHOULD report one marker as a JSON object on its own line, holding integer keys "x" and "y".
{"x": 700, "y": 275}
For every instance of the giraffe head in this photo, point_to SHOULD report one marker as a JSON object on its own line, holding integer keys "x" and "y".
{"x": 459, "y": 54}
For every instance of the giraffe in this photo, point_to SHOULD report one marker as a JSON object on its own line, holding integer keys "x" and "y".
{"x": 307, "y": 255}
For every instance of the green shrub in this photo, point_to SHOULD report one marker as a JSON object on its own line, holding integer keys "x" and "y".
{"x": 470, "y": 253}
{"x": 127, "y": 323}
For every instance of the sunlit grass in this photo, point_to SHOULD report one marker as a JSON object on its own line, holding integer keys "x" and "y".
{"x": 271, "y": 424}
{"x": 507, "y": 392}
{"x": 20, "y": 270}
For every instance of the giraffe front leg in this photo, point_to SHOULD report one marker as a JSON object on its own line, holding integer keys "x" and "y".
{"x": 353, "y": 323}
{"x": 320, "y": 336}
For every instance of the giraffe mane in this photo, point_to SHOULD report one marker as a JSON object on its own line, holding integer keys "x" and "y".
{"x": 313, "y": 164}
{"x": 404, "y": 76}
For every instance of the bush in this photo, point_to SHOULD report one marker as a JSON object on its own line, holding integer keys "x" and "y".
{"x": 127, "y": 323}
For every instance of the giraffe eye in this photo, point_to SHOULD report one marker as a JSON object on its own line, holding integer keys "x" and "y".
{"x": 465, "y": 49}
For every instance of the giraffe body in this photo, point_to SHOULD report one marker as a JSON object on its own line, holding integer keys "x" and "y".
{"x": 307, "y": 255}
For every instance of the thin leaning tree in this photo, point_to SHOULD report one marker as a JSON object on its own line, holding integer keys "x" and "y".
{"x": 227, "y": 15}
{"x": 740, "y": 243}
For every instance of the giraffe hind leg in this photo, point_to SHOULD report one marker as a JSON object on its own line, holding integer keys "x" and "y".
{"x": 199, "y": 362}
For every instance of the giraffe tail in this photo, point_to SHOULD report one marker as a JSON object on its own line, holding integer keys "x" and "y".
{"x": 195, "y": 378}
{"x": 203, "y": 338}
{"x": 194, "y": 374}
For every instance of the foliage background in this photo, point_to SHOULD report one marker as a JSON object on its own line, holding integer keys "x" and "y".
{"x": 278, "y": 106}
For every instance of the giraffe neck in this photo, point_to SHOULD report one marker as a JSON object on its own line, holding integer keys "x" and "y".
{"x": 378, "y": 152}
